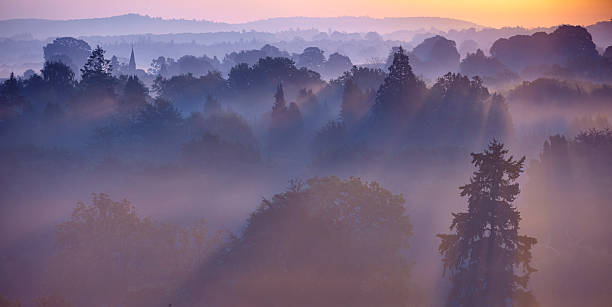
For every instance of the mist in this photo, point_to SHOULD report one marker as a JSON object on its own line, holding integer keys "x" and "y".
{"x": 437, "y": 163}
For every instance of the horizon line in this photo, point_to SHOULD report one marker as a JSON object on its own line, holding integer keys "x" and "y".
{"x": 475, "y": 25}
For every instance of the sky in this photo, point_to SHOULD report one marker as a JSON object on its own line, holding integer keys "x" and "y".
{"x": 495, "y": 13}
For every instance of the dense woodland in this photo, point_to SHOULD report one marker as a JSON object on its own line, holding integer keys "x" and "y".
{"x": 270, "y": 178}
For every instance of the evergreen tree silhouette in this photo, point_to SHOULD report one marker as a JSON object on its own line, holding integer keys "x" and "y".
{"x": 96, "y": 74}
{"x": 486, "y": 255}
{"x": 96, "y": 64}
{"x": 400, "y": 96}
{"x": 280, "y": 104}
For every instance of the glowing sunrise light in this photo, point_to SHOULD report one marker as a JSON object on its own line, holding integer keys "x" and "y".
{"x": 488, "y": 13}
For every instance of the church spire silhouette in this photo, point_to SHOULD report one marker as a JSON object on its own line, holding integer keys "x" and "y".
{"x": 132, "y": 64}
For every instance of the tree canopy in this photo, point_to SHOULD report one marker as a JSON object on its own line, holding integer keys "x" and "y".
{"x": 323, "y": 242}
{"x": 486, "y": 259}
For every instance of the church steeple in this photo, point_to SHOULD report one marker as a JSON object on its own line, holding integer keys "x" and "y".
{"x": 132, "y": 64}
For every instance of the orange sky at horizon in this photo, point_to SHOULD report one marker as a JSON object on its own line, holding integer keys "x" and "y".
{"x": 488, "y": 13}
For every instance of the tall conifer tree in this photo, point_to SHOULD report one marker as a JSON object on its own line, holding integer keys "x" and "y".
{"x": 486, "y": 259}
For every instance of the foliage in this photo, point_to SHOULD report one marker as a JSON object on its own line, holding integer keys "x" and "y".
{"x": 187, "y": 64}
{"x": 337, "y": 64}
{"x": 188, "y": 91}
{"x": 106, "y": 243}
{"x": 96, "y": 74}
{"x": 568, "y": 47}
{"x": 229, "y": 126}
{"x": 268, "y": 72}
{"x": 365, "y": 78}
{"x": 400, "y": 95}
{"x": 311, "y": 58}
{"x": 485, "y": 257}
{"x": 285, "y": 121}
{"x": 490, "y": 69}
{"x": 436, "y": 56}
{"x": 58, "y": 75}
{"x": 12, "y": 102}
{"x": 251, "y": 57}
{"x": 134, "y": 96}
{"x": 70, "y": 51}
{"x": 325, "y": 242}
{"x": 96, "y": 65}
{"x": 332, "y": 135}
{"x": 554, "y": 92}
{"x": 568, "y": 203}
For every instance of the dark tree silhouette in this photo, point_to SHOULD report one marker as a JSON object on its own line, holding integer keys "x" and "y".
{"x": 285, "y": 121}
{"x": 560, "y": 93}
{"x": 247, "y": 83}
{"x": 311, "y": 58}
{"x": 486, "y": 254}
{"x": 240, "y": 77}
{"x": 251, "y": 57}
{"x": 159, "y": 116}
{"x": 12, "y": 102}
{"x": 568, "y": 51}
{"x": 488, "y": 68}
{"x": 96, "y": 74}
{"x": 58, "y": 75}
{"x": 35, "y": 91}
{"x": 399, "y": 97}
{"x": 329, "y": 143}
{"x": 365, "y": 78}
{"x": 280, "y": 104}
{"x": 454, "y": 104}
{"x": 96, "y": 65}
{"x": 134, "y": 95}
{"x": 229, "y": 126}
{"x": 198, "y": 66}
{"x": 188, "y": 91}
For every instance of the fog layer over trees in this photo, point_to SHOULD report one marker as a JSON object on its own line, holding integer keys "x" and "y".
{"x": 346, "y": 169}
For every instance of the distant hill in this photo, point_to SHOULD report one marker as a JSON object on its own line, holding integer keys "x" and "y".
{"x": 138, "y": 24}
{"x": 361, "y": 24}
{"x": 123, "y": 24}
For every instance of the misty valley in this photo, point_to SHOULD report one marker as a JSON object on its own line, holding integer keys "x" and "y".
{"x": 208, "y": 166}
